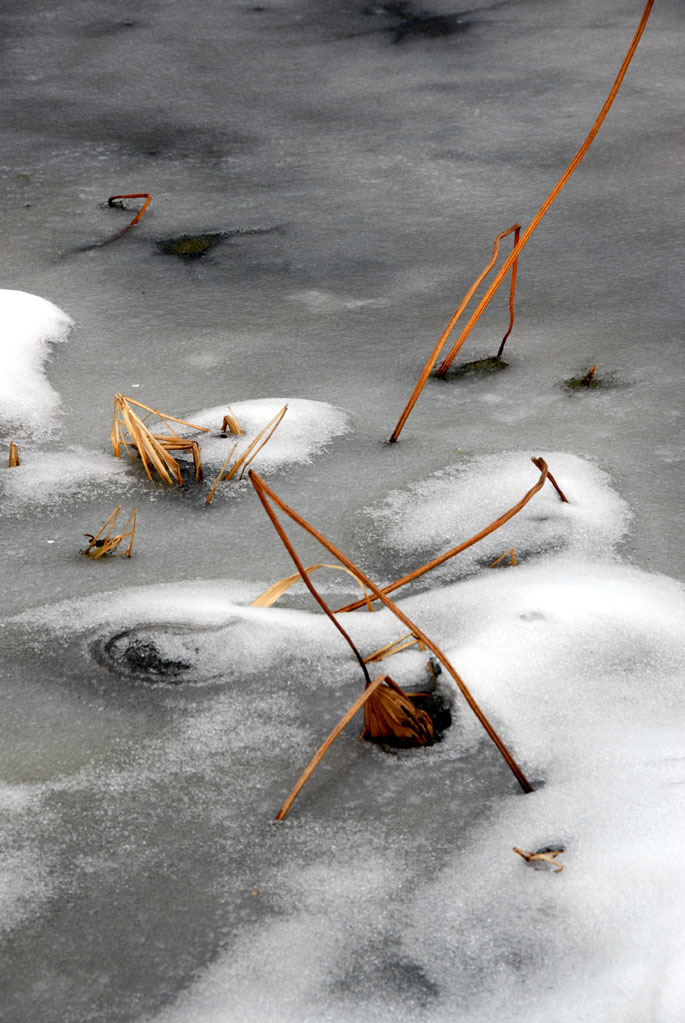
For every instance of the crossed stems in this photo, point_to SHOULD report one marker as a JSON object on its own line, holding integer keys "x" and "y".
{"x": 266, "y": 495}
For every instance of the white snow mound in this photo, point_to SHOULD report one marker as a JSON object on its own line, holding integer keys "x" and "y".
{"x": 306, "y": 428}
{"x": 28, "y": 326}
{"x": 454, "y": 504}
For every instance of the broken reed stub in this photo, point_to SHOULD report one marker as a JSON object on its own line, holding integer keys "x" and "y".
{"x": 105, "y": 541}
{"x": 14, "y": 460}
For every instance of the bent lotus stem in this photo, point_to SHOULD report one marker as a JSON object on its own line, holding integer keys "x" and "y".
{"x": 133, "y": 195}
{"x": 433, "y": 357}
{"x": 523, "y": 240}
{"x": 418, "y": 572}
{"x": 266, "y": 494}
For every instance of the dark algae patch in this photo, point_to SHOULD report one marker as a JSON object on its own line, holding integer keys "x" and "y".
{"x": 194, "y": 246}
{"x": 492, "y": 364}
{"x": 191, "y": 246}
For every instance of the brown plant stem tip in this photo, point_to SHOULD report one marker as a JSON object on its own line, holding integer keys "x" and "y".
{"x": 411, "y": 576}
{"x": 13, "y": 461}
{"x": 511, "y": 261}
{"x": 132, "y": 195}
{"x": 104, "y": 542}
{"x": 268, "y": 497}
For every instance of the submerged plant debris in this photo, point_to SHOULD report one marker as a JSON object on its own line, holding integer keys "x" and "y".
{"x": 589, "y": 381}
{"x": 191, "y": 246}
{"x": 490, "y": 364}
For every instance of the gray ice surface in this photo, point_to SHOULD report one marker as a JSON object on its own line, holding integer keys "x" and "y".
{"x": 353, "y": 163}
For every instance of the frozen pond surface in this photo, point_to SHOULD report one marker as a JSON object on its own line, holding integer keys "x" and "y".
{"x": 343, "y": 170}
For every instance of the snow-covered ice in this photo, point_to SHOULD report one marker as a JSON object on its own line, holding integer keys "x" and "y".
{"x": 29, "y": 325}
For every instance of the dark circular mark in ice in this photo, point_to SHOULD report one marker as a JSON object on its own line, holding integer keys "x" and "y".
{"x": 154, "y": 653}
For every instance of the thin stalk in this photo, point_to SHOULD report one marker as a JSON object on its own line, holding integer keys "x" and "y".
{"x": 485, "y": 301}
{"x": 544, "y": 475}
{"x": 326, "y": 745}
{"x": 262, "y": 491}
{"x": 433, "y": 357}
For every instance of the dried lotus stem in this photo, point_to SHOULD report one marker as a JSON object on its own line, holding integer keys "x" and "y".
{"x": 277, "y": 589}
{"x": 485, "y": 301}
{"x": 266, "y": 494}
{"x": 433, "y": 358}
{"x": 14, "y": 456}
{"x": 133, "y": 195}
{"x": 230, "y": 423}
{"x": 544, "y": 475}
{"x": 523, "y": 240}
{"x": 326, "y": 745}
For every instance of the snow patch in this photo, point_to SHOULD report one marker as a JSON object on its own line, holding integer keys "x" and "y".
{"x": 306, "y": 428}
{"x": 28, "y": 326}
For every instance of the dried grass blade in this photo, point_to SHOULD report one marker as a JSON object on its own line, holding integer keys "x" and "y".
{"x": 129, "y": 531}
{"x": 255, "y": 447}
{"x": 503, "y": 556}
{"x": 544, "y": 475}
{"x": 109, "y": 522}
{"x": 150, "y": 449}
{"x": 266, "y": 494}
{"x": 485, "y": 301}
{"x": 325, "y": 746}
{"x": 397, "y": 645}
{"x": 164, "y": 417}
{"x": 221, "y": 473}
{"x": 433, "y": 358}
{"x": 277, "y": 589}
